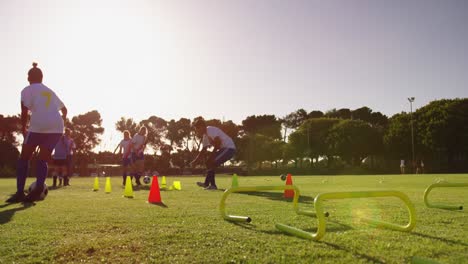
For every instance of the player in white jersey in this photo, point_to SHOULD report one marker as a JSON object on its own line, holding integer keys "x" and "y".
{"x": 224, "y": 150}
{"x": 138, "y": 157}
{"x": 125, "y": 147}
{"x": 44, "y": 131}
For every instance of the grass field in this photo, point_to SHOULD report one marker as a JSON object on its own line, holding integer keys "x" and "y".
{"x": 76, "y": 225}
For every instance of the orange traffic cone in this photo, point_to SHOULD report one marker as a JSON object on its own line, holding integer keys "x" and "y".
{"x": 154, "y": 194}
{"x": 289, "y": 193}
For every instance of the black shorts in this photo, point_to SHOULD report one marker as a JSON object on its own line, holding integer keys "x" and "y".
{"x": 60, "y": 162}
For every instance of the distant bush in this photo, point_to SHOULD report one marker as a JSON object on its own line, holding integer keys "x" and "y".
{"x": 7, "y": 172}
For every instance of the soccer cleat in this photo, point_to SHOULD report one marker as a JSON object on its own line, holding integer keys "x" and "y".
{"x": 201, "y": 184}
{"x": 211, "y": 187}
{"x": 16, "y": 198}
{"x": 34, "y": 195}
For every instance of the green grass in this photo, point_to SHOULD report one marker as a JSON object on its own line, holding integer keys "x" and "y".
{"x": 76, "y": 225}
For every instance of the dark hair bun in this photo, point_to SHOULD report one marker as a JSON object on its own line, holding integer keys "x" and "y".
{"x": 34, "y": 64}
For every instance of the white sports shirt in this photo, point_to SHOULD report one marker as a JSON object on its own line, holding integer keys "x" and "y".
{"x": 44, "y": 105}
{"x": 211, "y": 133}
{"x": 138, "y": 141}
{"x": 125, "y": 144}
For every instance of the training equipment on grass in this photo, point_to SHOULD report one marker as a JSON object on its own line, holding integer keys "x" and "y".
{"x": 235, "y": 182}
{"x": 176, "y": 186}
{"x": 154, "y": 196}
{"x": 146, "y": 179}
{"x": 288, "y": 193}
{"x": 352, "y": 195}
{"x": 442, "y": 206}
{"x": 108, "y": 187}
{"x": 44, "y": 193}
{"x": 235, "y": 218}
{"x": 128, "y": 192}
{"x": 283, "y": 177}
{"x": 96, "y": 184}
{"x": 163, "y": 182}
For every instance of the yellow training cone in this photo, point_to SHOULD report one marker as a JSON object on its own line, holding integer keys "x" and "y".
{"x": 108, "y": 188}
{"x": 234, "y": 183}
{"x": 128, "y": 192}
{"x": 177, "y": 185}
{"x": 163, "y": 182}
{"x": 96, "y": 184}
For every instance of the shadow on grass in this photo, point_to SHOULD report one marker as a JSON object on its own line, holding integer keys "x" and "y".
{"x": 161, "y": 204}
{"x": 448, "y": 241}
{"x": 276, "y": 196}
{"x": 5, "y": 216}
{"x": 340, "y": 228}
{"x": 357, "y": 254}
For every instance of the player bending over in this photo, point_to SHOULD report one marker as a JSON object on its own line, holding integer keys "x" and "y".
{"x": 224, "y": 150}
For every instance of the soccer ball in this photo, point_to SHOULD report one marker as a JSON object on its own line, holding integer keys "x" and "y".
{"x": 147, "y": 179}
{"x": 283, "y": 177}
{"x": 44, "y": 192}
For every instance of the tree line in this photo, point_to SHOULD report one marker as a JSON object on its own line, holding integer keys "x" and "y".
{"x": 335, "y": 141}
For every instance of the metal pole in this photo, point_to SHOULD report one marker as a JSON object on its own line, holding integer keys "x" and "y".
{"x": 411, "y": 100}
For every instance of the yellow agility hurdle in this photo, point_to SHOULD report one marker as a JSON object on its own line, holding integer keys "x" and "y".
{"x": 235, "y": 218}
{"x": 442, "y": 206}
{"x": 351, "y": 195}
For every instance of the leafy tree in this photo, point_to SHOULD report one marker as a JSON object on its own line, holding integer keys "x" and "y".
{"x": 157, "y": 131}
{"x": 365, "y": 114}
{"x": 126, "y": 124}
{"x": 293, "y": 120}
{"x": 397, "y": 137}
{"x": 9, "y": 156}
{"x": 309, "y": 140}
{"x": 354, "y": 140}
{"x": 253, "y": 149}
{"x": 267, "y": 125}
{"x": 87, "y": 129}
{"x": 9, "y": 125}
{"x": 442, "y": 132}
{"x": 343, "y": 113}
{"x": 316, "y": 114}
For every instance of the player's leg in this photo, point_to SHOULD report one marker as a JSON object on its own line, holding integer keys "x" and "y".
{"x": 140, "y": 169}
{"x": 218, "y": 158}
{"x": 48, "y": 142}
{"x": 125, "y": 165}
{"x": 60, "y": 173}
{"x": 27, "y": 151}
{"x": 53, "y": 171}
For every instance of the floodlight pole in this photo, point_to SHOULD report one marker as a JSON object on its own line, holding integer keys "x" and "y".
{"x": 411, "y": 100}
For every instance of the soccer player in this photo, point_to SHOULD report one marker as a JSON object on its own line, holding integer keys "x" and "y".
{"x": 45, "y": 130}
{"x": 138, "y": 148}
{"x": 60, "y": 161}
{"x": 125, "y": 147}
{"x": 224, "y": 150}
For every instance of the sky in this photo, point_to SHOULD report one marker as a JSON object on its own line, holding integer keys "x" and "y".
{"x": 232, "y": 59}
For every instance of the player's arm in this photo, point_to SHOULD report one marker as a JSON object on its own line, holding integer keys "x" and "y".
{"x": 120, "y": 150}
{"x": 24, "y": 118}
{"x": 217, "y": 143}
{"x": 200, "y": 154}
